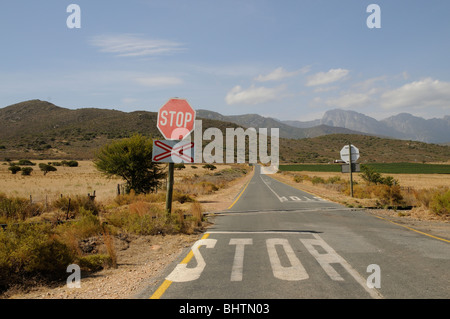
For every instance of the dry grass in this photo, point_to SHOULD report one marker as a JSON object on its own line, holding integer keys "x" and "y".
{"x": 416, "y": 190}
{"x": 416, "y": 181}
{"x": 71, "y": 181}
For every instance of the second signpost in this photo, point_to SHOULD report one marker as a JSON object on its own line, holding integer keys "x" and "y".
{"x": 175, "y": 121}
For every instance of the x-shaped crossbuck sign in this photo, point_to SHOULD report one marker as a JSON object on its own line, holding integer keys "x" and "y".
{"x": 165, "y": 151}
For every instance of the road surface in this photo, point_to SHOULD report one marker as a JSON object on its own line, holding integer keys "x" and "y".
{"x": 279, "y": 242}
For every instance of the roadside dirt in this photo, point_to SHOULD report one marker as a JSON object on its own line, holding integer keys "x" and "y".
{"x": 140, "y": 258}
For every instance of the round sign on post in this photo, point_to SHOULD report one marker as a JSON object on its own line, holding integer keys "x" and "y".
{"x": 345, "y": 154}
{"x": 176, "y": 119}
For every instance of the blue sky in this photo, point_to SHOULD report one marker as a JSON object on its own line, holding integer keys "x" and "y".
{"x": 285, "y": 59}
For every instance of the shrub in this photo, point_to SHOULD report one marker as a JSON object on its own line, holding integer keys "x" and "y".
{"x": 26, "y": 163}
{"x": 388, "y": 195}
{"x": 317, "y": 180}
{"x": 179, "y": 166}
{"x": 334, "y": 180}
{"x": 181, "y": 197}
{"x": 369, "y": 175}
{"x": 14, "y": 169}
{"x": 27, "y": 171}
{"x": 151, "y": 223}
{"x": 30, "y": 250}
{"x": 18, "y": 208}
{"x": 300, "y": 178}
{"x": 209, "y": 166}
{"x": 77, "y": 204}
{"x": 94, "y": 262}
{"x": 131, "y": 159}
{"x": 46, "y": 168}
{"x": 440, "y": 203}
{"x": 66, "y": 163}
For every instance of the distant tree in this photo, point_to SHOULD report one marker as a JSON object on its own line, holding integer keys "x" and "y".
{"x": 209, "y": 166}
{"x": 27, "y": 171}
{"x": 179, "y": 166}
{"x": 69, "y": 163}
{"x": 24, "y": 162}
{"x": 14, "y": 169}
{"x": 370, "y": 175}
{"x": 46, "y": 168}
{"x": 131, "y": 159}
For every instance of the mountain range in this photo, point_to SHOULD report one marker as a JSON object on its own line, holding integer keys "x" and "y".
{"x": 39, "y": 129}
{"x": 402, "y": 126}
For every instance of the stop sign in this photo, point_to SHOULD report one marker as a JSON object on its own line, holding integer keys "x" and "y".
{"x": 176, "y": 119}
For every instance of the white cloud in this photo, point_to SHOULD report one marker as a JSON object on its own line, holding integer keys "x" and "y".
{"x": 331, "y": 76}
{"x": 252, "y": 95}
{"x": 418, "y": 94}
{"x": 158, "y": 81}
{"x": 131, "y": 45}
{"x": 279, "y": 74}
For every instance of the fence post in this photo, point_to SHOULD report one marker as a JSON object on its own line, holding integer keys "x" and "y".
{"x": 68, "y": 209}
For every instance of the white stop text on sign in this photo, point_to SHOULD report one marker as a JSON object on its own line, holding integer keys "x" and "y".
{"x": 174, "y": 118}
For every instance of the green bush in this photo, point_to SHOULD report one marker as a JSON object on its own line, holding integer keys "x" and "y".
{"x": 440, "y": 203}
{"x": 156, "y": 222}
{"x": 69, "y": 163}
{"x": 14, "y": 169}
{"x": 30, "y": 251}
{"x": 46, "y": 168}
{"x": 209, "y": 166}
{"x": 334, "y": 180}
{"x": 94, "y": 262}
{"x": 317, "y": 180}
{"x": 17, "y": 208}
{"x": 27, "y": 171}
{"x": 26, "y": 163}
{"x": 76, "y": 204}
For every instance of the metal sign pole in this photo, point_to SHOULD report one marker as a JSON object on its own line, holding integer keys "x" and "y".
{"x": 169, "y": 189}
{"x": 350, "y": 168}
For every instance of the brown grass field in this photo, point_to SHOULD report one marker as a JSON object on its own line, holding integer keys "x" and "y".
{"x": 415, "y": 181}
{"x": 72, "y": 181}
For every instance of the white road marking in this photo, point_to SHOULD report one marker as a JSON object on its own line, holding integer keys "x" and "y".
{"x": 281, "y": 199}
{"x": 331, "y": 257}
{"x": 295, "y": 271}
{"x": 238, "y": 263}
{"x": 290, "y": 198}
{"x": 183, "y": 274}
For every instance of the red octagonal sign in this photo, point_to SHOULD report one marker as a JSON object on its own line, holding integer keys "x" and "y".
{"x": 176, "y": 119}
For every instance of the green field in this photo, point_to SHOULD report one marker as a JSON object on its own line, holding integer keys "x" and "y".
{"x": 389, "y": 168}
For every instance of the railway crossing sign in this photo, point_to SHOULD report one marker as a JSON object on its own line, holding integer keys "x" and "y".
{"x": 173, "y": 152}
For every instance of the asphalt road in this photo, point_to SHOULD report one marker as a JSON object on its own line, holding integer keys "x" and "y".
{"x": 279, "y": 242}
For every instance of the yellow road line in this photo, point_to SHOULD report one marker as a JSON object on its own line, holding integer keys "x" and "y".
{"x": 161, "y": 290}
{"x": 242, "y": 192}
{"x": 166, "y": 284}
{"x": 417, "y": 231}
